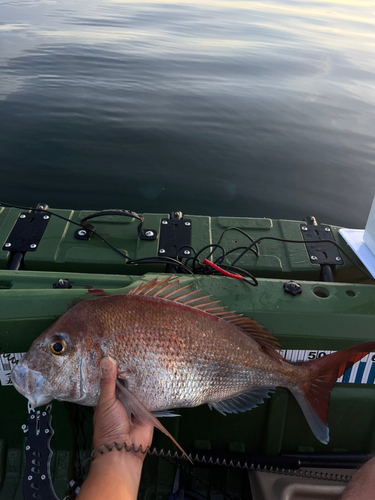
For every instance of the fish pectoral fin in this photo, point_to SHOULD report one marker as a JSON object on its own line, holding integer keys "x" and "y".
{"x": 243, "y": 402}
{"x": 134, "y": 407}
{"x": 165, "y": 413}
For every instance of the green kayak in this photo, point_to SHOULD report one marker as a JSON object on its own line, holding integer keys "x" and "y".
{"x": 299, "y": 279}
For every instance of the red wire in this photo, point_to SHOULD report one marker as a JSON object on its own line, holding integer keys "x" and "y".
{"x": 226, "y": 273}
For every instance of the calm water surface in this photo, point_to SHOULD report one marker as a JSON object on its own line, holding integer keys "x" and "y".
{"x": 213, "y": 107}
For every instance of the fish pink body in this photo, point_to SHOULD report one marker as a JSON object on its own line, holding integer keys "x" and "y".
{"x": 172, "y": 354}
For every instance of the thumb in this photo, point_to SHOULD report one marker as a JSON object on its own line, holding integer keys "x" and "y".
{"x": 108, "y": 376}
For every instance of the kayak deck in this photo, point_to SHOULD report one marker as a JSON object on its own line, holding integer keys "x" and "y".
{"x": 325, "y": 316}
{"x": 60, "y": 248}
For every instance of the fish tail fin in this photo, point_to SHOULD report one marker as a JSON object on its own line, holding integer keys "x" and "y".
{"x": 314, "y": 391}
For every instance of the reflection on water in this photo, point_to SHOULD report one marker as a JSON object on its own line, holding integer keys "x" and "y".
{"x": 215, "y": 107}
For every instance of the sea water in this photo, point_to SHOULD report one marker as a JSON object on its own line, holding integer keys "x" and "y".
{"x": 248, "y": 108}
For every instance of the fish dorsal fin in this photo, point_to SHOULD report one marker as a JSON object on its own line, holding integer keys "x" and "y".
{"x": 257, "y": 332}
{"x": 243, "y": 402}
{"x": 170, "y": 290}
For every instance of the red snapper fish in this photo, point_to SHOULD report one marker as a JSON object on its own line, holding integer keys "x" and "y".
{"x": 174, "y": 349}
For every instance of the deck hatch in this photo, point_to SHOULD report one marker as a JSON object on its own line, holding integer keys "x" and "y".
{"x": 321, "y": 252}
{"x": 175, "y": 238}
{"x": 27, "y": 232}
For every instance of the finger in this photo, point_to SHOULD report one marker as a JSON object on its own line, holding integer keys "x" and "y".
{"x": 108, "y": 376}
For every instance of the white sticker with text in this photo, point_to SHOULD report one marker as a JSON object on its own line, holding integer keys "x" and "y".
{"x": 7, "y": 362}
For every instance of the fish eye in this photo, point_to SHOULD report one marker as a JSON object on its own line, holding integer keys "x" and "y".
{"x": 57, "y": 346}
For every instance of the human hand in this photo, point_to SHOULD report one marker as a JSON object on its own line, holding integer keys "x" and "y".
{"x": 118, "y": 473}
{"x": 111, "y": 422}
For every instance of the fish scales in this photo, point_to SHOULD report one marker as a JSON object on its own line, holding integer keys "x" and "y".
{"x": 173, "y": 355}
{"x": 181, "y": 355}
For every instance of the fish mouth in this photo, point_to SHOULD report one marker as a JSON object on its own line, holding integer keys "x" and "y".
{"x": 30, "y": 384}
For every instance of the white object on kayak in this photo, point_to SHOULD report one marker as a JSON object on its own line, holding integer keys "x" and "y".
{"x": 369, "y": 235}
{"x": 362, "y": 242}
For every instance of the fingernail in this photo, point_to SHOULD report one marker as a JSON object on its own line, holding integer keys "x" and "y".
{"x": 106, "y": 366}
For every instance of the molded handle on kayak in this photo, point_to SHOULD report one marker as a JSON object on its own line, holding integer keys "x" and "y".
{"x": 126, "y": 213}
{"x": 142, "y": 233}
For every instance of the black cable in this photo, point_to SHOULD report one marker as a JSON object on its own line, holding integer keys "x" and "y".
{"x": 200, "y": 268}
{"x": 220, "y": 259}
{"x": 242, "y": 272}
{"x": 208, "y": 270}
{"x": 188, "y": 247}
{"x": 67, "y": 220}
{"x": 151, "y": 260}
{"x": 2, "y": 203}
{"x": 306, "y": 242}
{"x": 216, "y": 245}
{"x": 160, "y": 260}
{"x": 187, "y": 269}
{"x": 256, "y": 250}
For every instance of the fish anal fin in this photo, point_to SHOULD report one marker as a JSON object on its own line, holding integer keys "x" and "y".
{"x": 314, "y": 391}
{"x": 134, "y": 407}
{"x": 165, "y": 413}
{"x": 243, "y": 402}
